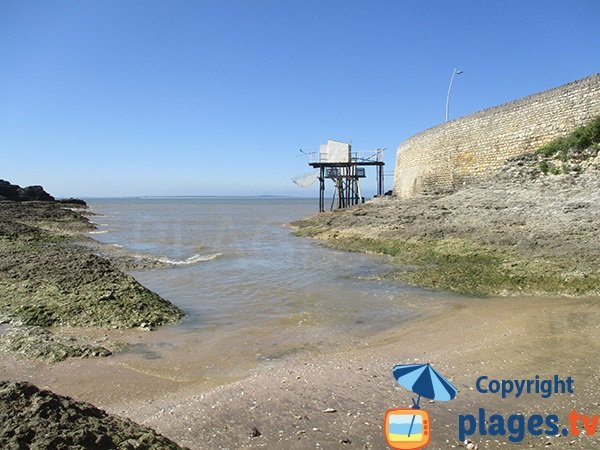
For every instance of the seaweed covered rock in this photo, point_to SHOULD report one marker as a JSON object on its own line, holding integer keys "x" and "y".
{"x": 46, "y": 279}
{"x": 34, "y": 418}
{"x": 53, "y": 285}
{"x": 40, "y": 343}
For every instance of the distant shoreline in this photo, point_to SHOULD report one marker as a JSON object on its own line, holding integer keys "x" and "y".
{"x": 142, "y": 197}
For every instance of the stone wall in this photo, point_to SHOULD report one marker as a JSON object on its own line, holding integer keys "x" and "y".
{"x": 473, "y": 147}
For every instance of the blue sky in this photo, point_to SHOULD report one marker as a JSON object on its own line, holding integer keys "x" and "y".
{"x": 119, "y": 98}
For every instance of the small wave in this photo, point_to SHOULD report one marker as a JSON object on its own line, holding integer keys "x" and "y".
{"x": 117, "y": 246}
{"x": 191, "y": 260}
{"x": 99, "y": 231}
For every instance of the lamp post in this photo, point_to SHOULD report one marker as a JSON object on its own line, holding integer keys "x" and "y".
{"x": 454, "y": 73}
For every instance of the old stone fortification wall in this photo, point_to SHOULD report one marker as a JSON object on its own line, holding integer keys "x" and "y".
{"x": 473, "y": 147}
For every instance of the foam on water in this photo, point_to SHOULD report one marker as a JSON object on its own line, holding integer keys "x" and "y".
{"x": 191, "y": 260}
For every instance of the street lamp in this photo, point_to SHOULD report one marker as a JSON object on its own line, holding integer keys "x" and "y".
{"x": 454, "y": 73}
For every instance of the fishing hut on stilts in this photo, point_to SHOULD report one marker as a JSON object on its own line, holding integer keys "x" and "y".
{"x": 336, "y": 161}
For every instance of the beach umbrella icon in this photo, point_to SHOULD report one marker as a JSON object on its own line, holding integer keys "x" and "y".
{"x": 425, "y": 381}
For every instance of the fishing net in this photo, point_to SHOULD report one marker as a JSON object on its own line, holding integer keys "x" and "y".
{"x": 306, "y": 179}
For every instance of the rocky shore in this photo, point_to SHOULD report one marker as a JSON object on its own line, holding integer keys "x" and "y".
{"x": 313, "y": 400}
{"x": 33, "y": 418}
{"x": 533, "y": 229}
{"x": 50, "y": 276}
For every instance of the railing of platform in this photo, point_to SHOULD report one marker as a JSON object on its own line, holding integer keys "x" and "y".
{"x": 358, "y": 157}
{"x": 369, "y": 156}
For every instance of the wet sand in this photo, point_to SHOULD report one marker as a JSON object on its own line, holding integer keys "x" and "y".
{"x": 285, "y": 399}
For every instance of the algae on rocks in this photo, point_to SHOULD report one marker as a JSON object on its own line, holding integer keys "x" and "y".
{"x": 47, "y": 278}
{"x": 34, "y": 418}
{"x": 39, "y": 343}
{"x": 521, "y": 232}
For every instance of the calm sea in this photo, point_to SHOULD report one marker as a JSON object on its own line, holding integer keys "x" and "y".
{"x": 251, "y": 290}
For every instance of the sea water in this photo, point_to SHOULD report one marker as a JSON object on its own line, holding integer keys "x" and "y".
{"x": 251, "y": 291}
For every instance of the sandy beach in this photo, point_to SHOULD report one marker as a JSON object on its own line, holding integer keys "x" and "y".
{"x": 287, "y": 402}
{"x": 289, "y": 225}
{"x": 204, "y": 394}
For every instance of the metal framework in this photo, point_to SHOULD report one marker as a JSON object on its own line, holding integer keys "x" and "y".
{"x": 345, "y": 177}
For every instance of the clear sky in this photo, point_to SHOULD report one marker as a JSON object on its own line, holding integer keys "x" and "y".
{"x": 119, "y": 98}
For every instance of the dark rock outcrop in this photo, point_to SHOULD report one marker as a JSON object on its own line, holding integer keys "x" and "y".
{"x": 34, "y": 418}
{"x": 9, "y": 191}
{"x": 73, "y": 201}
{"x": 36, "y": 193}
{"x": 30, "y": 193}
{"x": 16, "y": 193}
